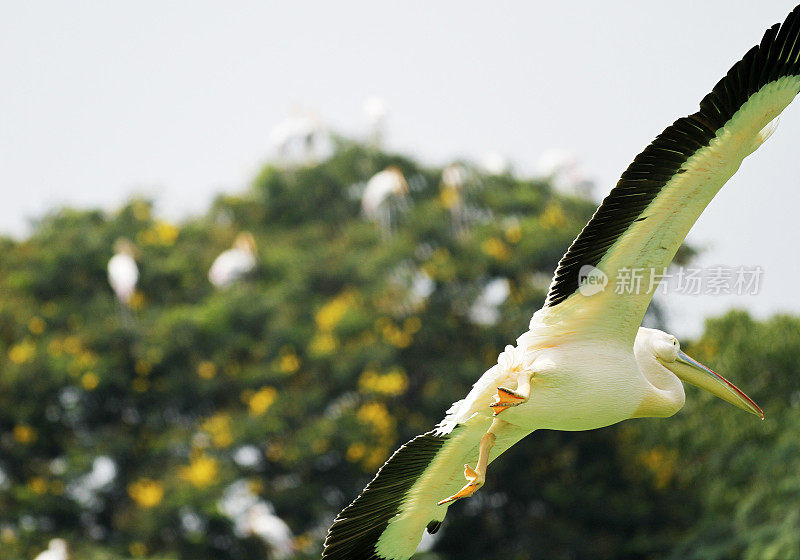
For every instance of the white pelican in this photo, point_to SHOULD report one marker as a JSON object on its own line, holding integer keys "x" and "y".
{"x": 122, "y": 270}
{"x": 586, "y": 363}
{"x": 56, "y": 550}
{"x": 233, "y": 264}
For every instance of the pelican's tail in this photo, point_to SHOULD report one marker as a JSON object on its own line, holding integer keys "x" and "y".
{"x": 387, "y": 520}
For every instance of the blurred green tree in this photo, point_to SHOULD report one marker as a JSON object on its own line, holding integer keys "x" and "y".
{"x": 151, "y": 437}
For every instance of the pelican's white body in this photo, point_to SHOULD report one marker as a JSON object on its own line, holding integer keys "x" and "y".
{"x": 587, "y": 360}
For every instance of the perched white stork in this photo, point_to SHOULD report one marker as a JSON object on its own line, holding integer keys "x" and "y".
{"x": 253, "y": 516}
{"x": 563, "y": 169}
{"x": 376, "y": 110}
{"x": 56, "y": 550}
{"x": 263, "y": 523}
{"x": 122, "y": 270}
{"x": 585, "y": 362}
{"x": 484, "y": 310}
{"x": 233, "y": 264}
{"x": 301, "y": 139}
{"x": 384, "y": 194}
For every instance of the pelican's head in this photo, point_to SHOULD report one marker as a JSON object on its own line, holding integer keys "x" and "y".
{"x": 667, "y": 352}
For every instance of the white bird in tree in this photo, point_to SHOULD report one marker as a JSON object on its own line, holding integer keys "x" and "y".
{"x": 56, "y": 550}
{"x": 263, "y": 523}
{"x": 376, "y": 110}
{"x": 123, "y": 274}
{"x": 301, "y": 139}
{"x": 563, "y": 169}
{"x": 586, "y": 362}
{"x": 384, "y": 195}
{"x": 235, "y": 263}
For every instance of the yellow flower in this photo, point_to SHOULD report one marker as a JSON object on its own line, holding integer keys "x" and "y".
{"x": 392, "y": 334}
{"x": 206, "y": 370}
{"x": 513, "y": 233}
{"x": 289, "y": 362}
{"x": 22, "y": 352}
{"x": 86, "y": 359}
{"x": 202, "y": 471}
{"x": 496, "y": 249}
{"x": 392, "y": 383}
{"x": 323, "y": 344}
{"x": 137, "y": 549}
{"x": 355, "y": 452}
{"x": 166, "y": 233}
{"x": 146, "y": 492}
{"x": 219, "y": 428}
{"x": 24, "y": 434}
{"x": 72, "y": 344}
{"x": 142, "y": 367}
{"x": 38, "y": 485}
{"x": 553, "y": 216}
{"x": 140, "y": 384}
{"x": 261, "y": 400}
{"x": 90, "y": 381}
{"x": 36, "y": 325}
{"x": 376, "y": 415}
{"x": 449, "y": 197}
{"x": 334, "y": 310}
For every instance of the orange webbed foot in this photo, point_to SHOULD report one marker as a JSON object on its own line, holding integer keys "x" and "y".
{"x": 475, "y": 481}
{"x": 505, "y": 399}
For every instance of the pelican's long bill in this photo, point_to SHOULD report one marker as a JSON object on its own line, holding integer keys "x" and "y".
{"x": 691, "y": 371}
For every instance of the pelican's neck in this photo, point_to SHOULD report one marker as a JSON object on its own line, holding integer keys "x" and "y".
{"x": 666, "y": 396}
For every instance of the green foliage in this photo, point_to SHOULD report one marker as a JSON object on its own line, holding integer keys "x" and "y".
{"x": 325, "y": 359}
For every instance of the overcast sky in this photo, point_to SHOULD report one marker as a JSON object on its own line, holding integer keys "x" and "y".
{"x": 175, "y": 100}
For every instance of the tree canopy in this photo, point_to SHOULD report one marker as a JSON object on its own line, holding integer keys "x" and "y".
{"x": 127, "y": 431}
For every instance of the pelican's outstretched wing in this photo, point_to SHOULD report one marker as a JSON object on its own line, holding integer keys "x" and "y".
{"x": 387, "y": 520}
{"x": 643, "y": 221}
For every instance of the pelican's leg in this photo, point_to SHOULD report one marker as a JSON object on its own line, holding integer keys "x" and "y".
{"x": 506, "y": 398}
{"x": 477, "y": 476}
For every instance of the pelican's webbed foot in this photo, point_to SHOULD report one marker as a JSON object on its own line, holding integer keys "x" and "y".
{"x": 506, "y": 398}
{"x": 477, "y": 476}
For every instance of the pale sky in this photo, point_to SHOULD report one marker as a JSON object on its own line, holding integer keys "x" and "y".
{"x": 175, "y": 100}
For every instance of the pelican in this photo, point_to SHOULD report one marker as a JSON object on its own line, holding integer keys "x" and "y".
{"x": 233, "y": 264}
{"x": 585, "y": 361}
{"x": 122, "y": 270}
